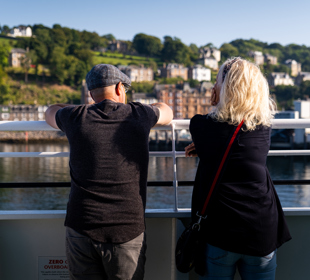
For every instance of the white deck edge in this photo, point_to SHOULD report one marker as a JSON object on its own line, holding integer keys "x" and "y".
{"x": 150, "y": 213}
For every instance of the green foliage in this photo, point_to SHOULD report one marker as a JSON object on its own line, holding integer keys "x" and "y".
{"x": 175, "y": 51}
{"x": 4, "y": 30}
{"x": 193, "y": 83}
{"x": 267, "y": 69}
{"x": 304, "y": 90}
{"x": 143, "y": 87}
{"x": 228, "y": 51}
{"x": 170, "y": 81}
{"x": 4, "y": 54}
{"x": 147, "y": 45}
{"x": 285, "y": 95}
{"x": 109, "y": 37}
{"x": 19, "y": 93}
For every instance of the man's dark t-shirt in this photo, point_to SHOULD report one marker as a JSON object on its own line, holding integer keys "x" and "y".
{"x": 108, "y": 167}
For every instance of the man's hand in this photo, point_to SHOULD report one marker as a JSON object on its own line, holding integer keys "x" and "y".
{"x": 50, "y": 114}
{"x": 190, "y": 150}
{"x": 165, "y": 113}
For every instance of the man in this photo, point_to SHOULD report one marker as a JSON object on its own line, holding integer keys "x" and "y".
{"x": 108, "y": 140}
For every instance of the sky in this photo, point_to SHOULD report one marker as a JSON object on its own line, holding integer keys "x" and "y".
{"x": 196, "y": 21}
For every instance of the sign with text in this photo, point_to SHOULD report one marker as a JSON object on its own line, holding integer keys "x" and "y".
{"x": 53, "y": 268}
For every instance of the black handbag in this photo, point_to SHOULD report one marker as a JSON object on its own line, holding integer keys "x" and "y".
{"x": 187, "y": 248}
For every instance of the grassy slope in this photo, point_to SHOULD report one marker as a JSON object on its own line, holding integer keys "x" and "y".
{"x": 120, "y": 59}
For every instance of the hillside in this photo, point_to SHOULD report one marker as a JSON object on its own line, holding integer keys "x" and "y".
{"x": 63, "y": 56}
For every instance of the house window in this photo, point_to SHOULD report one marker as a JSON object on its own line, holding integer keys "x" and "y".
{"x": 5, "y": 116}
{"x": 170, "y": 94}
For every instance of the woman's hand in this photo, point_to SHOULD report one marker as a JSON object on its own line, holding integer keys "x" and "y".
{"x": 190, "y": 150}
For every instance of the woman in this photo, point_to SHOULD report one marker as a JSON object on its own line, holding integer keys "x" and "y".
{"x": 245, "y": 223}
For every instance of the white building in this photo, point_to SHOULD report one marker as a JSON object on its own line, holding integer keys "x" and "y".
{"x": 199, "y": 73}
{"x": 258, "y": 57}
{"x": 209, "y": 57}
{"x": 210, "y": 52}
{"x": 145, "y": 98}
{"x": 21, "y": 31}
{"x": 138, "y": 74}
{"x": 294, "y": 66}
{"x": 280, "y": 78}
{"x": 209, "y": 62}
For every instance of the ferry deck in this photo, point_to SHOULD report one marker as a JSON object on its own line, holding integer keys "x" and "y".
{"x": 32, "y": 243}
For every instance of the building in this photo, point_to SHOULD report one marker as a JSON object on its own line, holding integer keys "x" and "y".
{"x": 270, "y": 59}
{"x": 184, "y": 100}
{"x": 210, "y": 52}
{"x": 209, "y": 62}
{"x": 85, "y": 94}
{"x": 302, "y": 77}
{"x": 258, "y": 57}
{"x": 138, "y": 74}
{"x": 145, "y": 98}
{"x": 22, "y": 113}
{"x": 199, "y": 73}
{"x": 16, "y": 56}
{"x": 174, "y": 70}
{"x": 119, "y": 46}
{"x": 209, "y": 57}
{"x": 294, "y": 66}
{"x": 20, "y": 31}
{"x": 280, "y": 78}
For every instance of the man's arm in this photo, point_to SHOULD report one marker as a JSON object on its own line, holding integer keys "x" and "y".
{"x": 50, "y": 114}
{"x": 165, "y": 113}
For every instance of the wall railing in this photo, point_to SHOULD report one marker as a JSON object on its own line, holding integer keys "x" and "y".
{"x": 173, "y": 127}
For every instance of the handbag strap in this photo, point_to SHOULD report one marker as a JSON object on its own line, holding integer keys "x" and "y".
{"x": 233, "y": 138}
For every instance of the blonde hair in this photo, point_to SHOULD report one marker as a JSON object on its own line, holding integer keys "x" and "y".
{"x": 244, "y": 95}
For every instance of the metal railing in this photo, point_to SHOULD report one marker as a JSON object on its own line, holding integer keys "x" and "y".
{"x": 173, "y": 126}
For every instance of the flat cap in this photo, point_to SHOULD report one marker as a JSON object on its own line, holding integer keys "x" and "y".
{"x": 104, "y": 75}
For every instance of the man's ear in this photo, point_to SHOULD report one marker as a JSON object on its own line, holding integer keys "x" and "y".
{"x": 118, "y": 89}
{"x": 91, "y": 95}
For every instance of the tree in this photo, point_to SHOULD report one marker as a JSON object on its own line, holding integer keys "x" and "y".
{"x": 304, "y": 90}
{"x": 147, "y": 45}
{"x": 5, "y": 95}
{"x": 228, "y": 51}
{"x": 4, "y": 54}
{"x": 58, "y": 64}
{"x": 285, "y": 96}
{"x": 109, "y": 36}
{"x": 26, "y": 61}
{"x": 5, "y": 30}
{"x": 175, "y": 51}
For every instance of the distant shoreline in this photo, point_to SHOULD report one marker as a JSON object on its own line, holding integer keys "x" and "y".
{"x": 32, "y": 136}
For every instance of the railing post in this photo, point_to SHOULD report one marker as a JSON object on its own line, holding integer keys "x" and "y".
{"x": 175, "y": 178}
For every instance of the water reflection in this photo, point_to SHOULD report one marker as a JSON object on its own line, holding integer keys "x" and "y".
{"x": 160, "y": 169}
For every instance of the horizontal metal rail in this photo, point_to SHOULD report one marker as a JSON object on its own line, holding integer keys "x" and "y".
{"x": 152, "y": 154}
{"x": 29, "y": 185}
{"x": 179, "y": 124}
